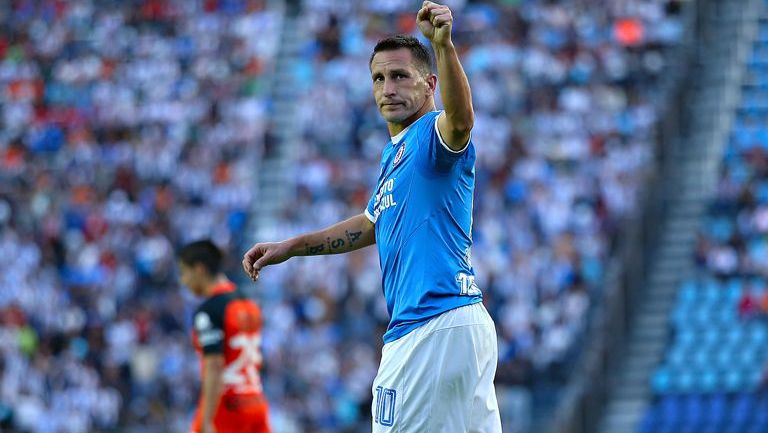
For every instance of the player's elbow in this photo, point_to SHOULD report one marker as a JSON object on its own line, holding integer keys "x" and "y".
{"x": 462, "y": 125}
{"x": 462, "y": 130}
{"x": 466, "y": 127}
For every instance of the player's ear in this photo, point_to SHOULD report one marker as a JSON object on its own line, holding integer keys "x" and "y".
{"x": 432, "y": 83}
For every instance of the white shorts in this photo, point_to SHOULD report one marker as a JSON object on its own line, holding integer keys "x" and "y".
{"x": 439, "y": 377}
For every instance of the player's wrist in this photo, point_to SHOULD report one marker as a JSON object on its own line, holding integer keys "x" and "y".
{"x": 446, "y": 45}
{"x": 291, "y": 246}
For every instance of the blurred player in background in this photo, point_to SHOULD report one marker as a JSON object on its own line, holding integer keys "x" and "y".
{"x": 440, "y": 352}
{"x": 227, "y": 334}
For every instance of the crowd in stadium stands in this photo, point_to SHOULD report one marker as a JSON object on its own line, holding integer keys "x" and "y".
{"x": 733, "y": 241}
{"x": 129, "y": 128}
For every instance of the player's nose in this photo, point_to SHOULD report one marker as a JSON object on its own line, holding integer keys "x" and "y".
{"x": 389, "y": 88}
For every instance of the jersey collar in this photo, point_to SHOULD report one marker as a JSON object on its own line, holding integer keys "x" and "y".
{"x": 224, "y": 287}
{"x": 399, "y": 137}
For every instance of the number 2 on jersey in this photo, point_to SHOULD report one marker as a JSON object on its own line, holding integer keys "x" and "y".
{"x": 243, "y": 372}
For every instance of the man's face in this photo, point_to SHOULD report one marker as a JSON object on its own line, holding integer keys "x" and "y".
{"x": 189, "y": 277}
{"x": 399, "y": 87}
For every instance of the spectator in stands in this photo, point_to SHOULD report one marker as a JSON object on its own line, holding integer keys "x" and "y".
{"x": 749, "y": 305}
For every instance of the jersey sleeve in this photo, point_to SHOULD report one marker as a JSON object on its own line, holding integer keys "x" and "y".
{"x": 439, "y": 156}
{"x": 370, "y": 210}
{"x": 209, "y": 327}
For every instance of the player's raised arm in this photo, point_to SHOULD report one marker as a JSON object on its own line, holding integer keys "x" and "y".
{"x": 436, "y": 22}
{"x": 349, "y": 235}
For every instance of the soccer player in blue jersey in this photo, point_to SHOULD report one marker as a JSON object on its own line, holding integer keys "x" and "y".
{"x": 440, "y": 352}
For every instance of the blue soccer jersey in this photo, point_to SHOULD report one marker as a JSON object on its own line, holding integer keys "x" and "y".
{"x": 422, "y": 211}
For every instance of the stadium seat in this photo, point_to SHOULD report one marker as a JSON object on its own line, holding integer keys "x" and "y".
{"x": 648, "y": 424}
{"x": 709, "y": 381}
{"x": 735, "y": 380}
{"x": 734, "y": 289}
{"x": 716, "y": 408}
{"x": 724, "y": 358}
{"x": 685, "y": 381}
{"x": 662, "y": 381}
{"x": 693, "y": 410}
{"x": 677, "y": 357}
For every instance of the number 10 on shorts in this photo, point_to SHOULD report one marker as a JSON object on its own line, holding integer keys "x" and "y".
{"x": 385, "y": 406}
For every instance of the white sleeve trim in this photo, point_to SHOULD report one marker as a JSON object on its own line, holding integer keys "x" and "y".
{"x": 440, "y": 137}
{"x": 369, "y": 216}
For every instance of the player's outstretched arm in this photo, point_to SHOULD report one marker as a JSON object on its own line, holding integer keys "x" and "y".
{"x": 436, "y": 22}
{"x": 349, "y": 235}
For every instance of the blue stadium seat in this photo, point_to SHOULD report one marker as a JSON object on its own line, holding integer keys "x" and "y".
{"x": 733, "y": 428}
{"x": 735, "y": 335}
{"x": 693, "y": 410}
{"x": 741, "y": 409}
{"x": 711, "y": 428}
{"x": 671, "y": 409}
{"x": 711, "y": 337}
{"x": 728, "y": 315}
{"x": 711, "y": 292}
{"x": 647, "y": 425}
{"x": 665, "y": 428}
{"x": 724, "y": 358}
{"x": 709, "y": 381}
{"x": 757, "y": 335}
{"x": 747, "y": 356}
{"x": 717, "y": 408}
{"x": 686, "y": 428}
{"x": 761, "y": 190}
{"x": 703, "y": 317}
{"x": 734, "y": 288}
{"x": 661, "y": 382}
{"x": 763, "y": 34}
{"x": 688, "y": 291}
{"x": 734, "y": 380}
{"x": 685, "y": 381}
{"x": 755, "y": 377}
{"x": 677, "y": 357}
{"x": 761, "y": 409}
{"x": 686, "y": 337}
{"x": 701, "y": 359}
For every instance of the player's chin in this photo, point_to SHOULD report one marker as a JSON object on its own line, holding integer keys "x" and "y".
{"x": 393, "y": 115}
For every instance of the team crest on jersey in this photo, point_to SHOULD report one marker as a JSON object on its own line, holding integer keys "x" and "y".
{"x": 399, "y": 155}
{"x": 202, "y": 321}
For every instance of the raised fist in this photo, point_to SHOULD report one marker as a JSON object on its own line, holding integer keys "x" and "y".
{"x": 435, "y": 22}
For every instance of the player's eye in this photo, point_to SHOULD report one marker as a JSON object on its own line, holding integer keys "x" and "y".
{"x": 378, "y": 78}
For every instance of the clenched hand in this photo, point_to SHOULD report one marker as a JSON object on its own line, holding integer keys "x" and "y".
{"x": 435, "y": 22}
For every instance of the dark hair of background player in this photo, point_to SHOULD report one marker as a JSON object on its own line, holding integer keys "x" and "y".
{"x": 204, "y": 252}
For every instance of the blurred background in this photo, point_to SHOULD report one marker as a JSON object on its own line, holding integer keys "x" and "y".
{"x": 620, "y": 225}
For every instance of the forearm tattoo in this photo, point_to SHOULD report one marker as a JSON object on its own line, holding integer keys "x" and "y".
{"x": 337, "y": 245}
{"x": 314, "y": 250}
